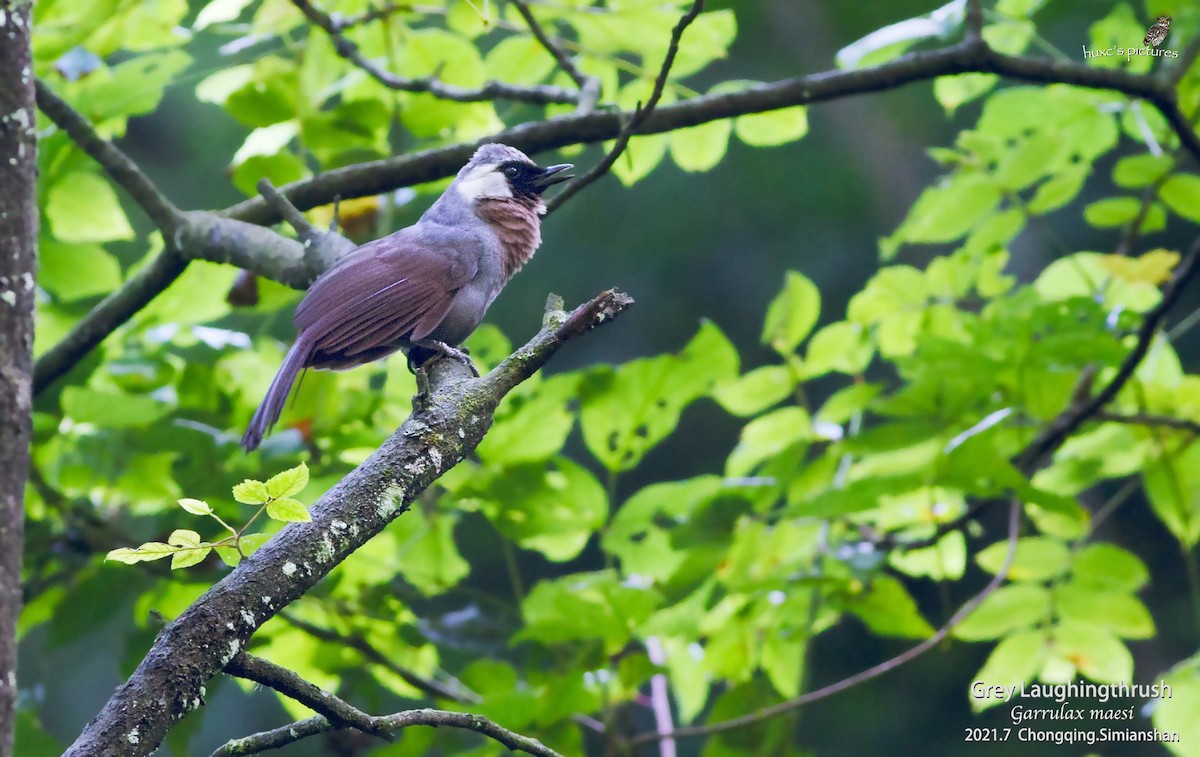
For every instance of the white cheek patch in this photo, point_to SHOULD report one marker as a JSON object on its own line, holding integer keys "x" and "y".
{"x": 484, "y": 181}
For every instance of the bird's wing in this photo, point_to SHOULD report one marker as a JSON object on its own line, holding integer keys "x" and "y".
{"x": 395, "y": 288}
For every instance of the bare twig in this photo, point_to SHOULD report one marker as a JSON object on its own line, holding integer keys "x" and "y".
{"x": 291, "y": 685}
{"x": 336, "y": 713}
{"x": 321, "y": 248}
{"x": 289, "y": 734}
{"x": 1079, "y": 413}
{"x": 639, "y": 116}
{"x": 1146, "y": 419}
{"x": 974, "y": 20}
{"x": 493, "y": 90}
{"x": 370, "y": 653}
{"x": 589, "y": 86}
{"x": 1014, "y": 525}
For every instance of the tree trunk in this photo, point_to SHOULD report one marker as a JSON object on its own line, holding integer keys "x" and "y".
{"x": 18, "y": 235}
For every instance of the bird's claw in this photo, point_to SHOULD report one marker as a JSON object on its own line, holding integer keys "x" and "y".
{"x": 452, "y": 352}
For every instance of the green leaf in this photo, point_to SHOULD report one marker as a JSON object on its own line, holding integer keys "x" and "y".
{"x": 219, "y": 11}
{"x": 131, "y": 88}
{"x": 1040, "y": 154}
{"x": 1138, "y": 171}
{"x": 1014, "y": 661}
{"x": 1058, "y": 190}
{"x": 888, "y": 609}
{"x": 195, "y": 506}
{"x": 946, "y": 212}
{"x": 112, "y": 409}
{"x": 842, "y": 347}
{"x": 782, "y": 659}
{"x": 429, "y": 558}
{"x": 189, "y": 557}
{"x": 1181, "y": 193}
{"x": 1007, "y": 609}
{"x": 287, "y": 483}
{"x": 1172, "y": 483}
{"x": 280, "y": 168}
{"x": 229, "y": 555}
{"x": 635, "y": 535}
{"x": 82, "y": 207}
{"x": 844, "y": 404}
{"x": 700, "y": 148}
{"x": 627, "y": 411}
{"x": 641, "y": 156}
{"x": 952, "y": 92}
{"x": 1122, "y": 614}
{"x": 1037, "y": 559}
{"x": 251, "y": 492}
{"x": 519, "y": 60}
{"x": 792, "y": 315}
{"x": 1113, "y": 211}
{"x": 531, "y": 427}
{"x": 151, "y": 550}
{"x": 767, "y": 436}
{"x": 585, "y": 606}
{"x": 553, "y": 509}
{"x": 74, "y": 271}
{"x": 251, "y": 542}
{"x": 945, "y": 560}
{"x": 287, "y": 510}
{"x": 1177, "y": 713}
{"x": 757, "y": 390}
{"x": 183, "y": 537}
{"x": 776, "y": 127}
{"x": 1108, "y": 566}
{"x": 1093, "y": 651}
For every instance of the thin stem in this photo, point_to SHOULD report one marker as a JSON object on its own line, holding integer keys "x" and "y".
{"x": 639, "y": 116}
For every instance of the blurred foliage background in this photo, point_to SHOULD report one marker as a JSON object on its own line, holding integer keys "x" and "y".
{"x": 697, "y": 250}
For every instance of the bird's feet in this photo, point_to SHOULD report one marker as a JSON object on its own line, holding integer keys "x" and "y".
{"x": 445, "y": 350}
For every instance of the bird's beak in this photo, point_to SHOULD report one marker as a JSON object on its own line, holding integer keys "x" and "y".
{"x": 552, "y": 175}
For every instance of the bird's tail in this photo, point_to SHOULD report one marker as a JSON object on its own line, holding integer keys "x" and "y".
{"x": 272, "y": 405}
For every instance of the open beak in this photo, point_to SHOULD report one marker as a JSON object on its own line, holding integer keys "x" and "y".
{"x": 552, "y": 175}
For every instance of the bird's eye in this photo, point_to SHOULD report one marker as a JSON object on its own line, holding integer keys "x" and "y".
{"x": 512, "y": 172}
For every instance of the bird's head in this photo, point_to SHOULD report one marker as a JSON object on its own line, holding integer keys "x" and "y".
{"x": 500, "y": 172}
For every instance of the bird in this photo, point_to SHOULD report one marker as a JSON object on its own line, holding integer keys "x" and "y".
{"x": 1158, "y": 31}
{"x": 425, "y": 288}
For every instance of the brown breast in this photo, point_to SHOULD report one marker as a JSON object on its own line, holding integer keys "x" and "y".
{"x": 518, "y": 223}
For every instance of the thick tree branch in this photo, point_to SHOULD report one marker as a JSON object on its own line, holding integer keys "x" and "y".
{"x": 18, "y": 264}
{"x": 639, "y": 116}
{"x": 492, "y": 90}
{"x": 214, "y": 629}
{"x": 380, "y": 176}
